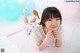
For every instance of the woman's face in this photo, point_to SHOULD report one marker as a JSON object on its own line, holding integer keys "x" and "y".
{"x": 52, "y": 23}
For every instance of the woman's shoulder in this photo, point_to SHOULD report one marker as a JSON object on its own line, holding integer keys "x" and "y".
{"x": 37, "y": 29}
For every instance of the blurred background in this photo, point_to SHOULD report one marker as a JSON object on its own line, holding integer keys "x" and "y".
{"x": 12, "y": 25}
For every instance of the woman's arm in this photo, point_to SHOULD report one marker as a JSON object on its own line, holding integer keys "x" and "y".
{"x": 49, "y": 37}
{"x": 43, "y": 45}
{"x": 58, "y": 42}
{"x": 58, "y": 38}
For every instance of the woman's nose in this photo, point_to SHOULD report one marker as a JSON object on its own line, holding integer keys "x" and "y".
{"x": 54, "y": 22}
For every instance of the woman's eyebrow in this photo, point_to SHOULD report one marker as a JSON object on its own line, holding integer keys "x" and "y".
{"x": 57, "y": 18}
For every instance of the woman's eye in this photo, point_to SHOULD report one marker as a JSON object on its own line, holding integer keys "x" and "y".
{"x": 49, "y": 19}
{"x": 57, "y": 19}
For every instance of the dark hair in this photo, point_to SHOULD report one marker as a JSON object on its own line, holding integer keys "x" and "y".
{"x": 50, "y": 12}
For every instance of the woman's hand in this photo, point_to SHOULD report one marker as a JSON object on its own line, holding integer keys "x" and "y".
{"x": 58, "y": 38}
{"x": 49, "y": 35}
{"x": 56, "y": 34}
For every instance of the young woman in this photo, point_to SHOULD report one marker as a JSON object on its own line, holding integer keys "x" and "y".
{"x": 48, "y": 33}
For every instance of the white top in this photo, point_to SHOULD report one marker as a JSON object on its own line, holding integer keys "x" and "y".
{"x": 39, "y": 35}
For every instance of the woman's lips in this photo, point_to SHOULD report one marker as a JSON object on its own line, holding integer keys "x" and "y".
{"x": 54, "y": 28}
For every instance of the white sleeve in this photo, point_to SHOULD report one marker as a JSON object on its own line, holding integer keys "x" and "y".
{"x": 36, "y": 36}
